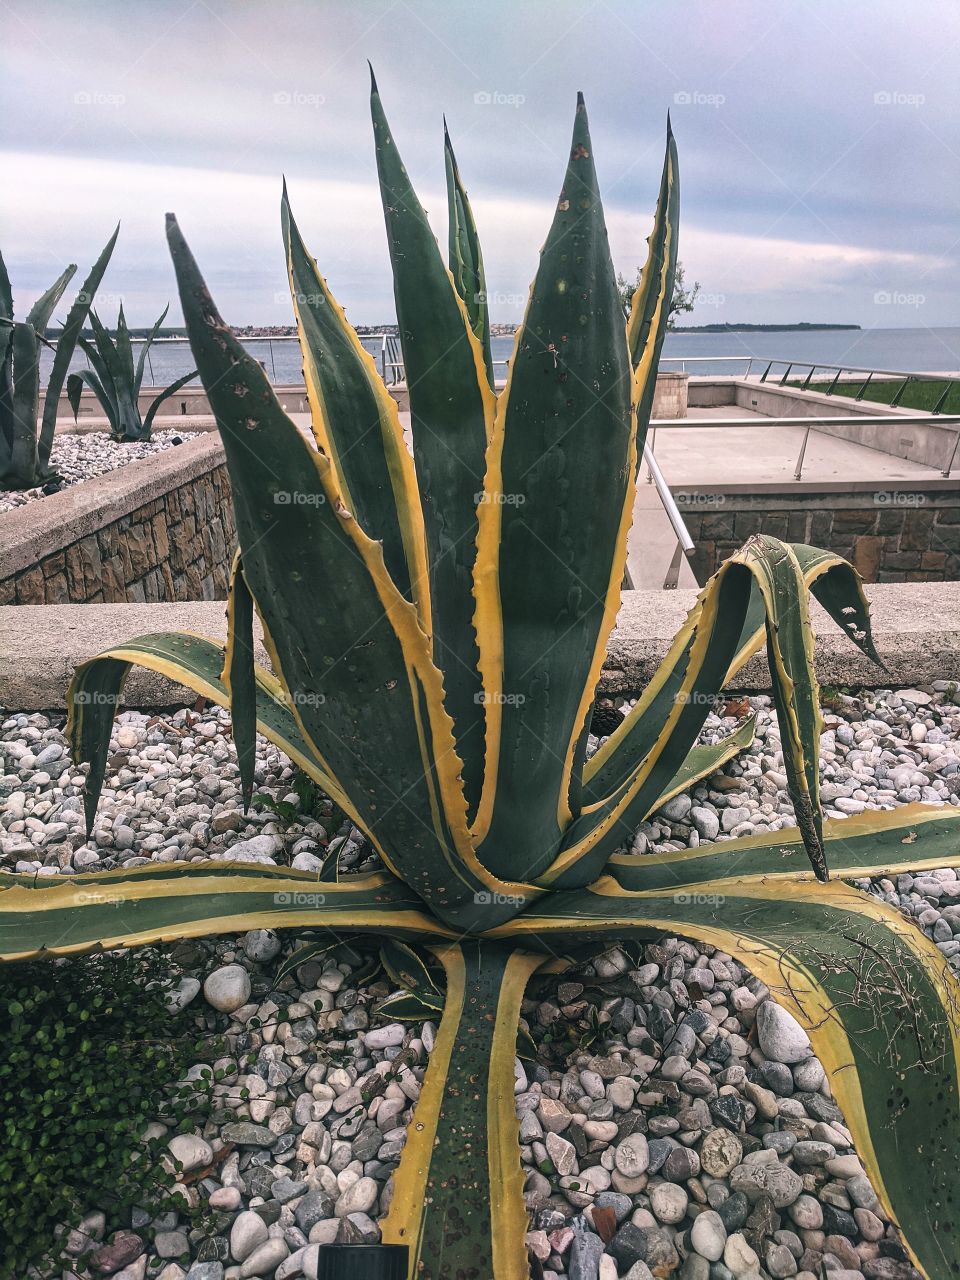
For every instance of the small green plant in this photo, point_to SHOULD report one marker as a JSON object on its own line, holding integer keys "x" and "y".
{"x": 116, "y": 381}
{"x": 25, "y": 451}
{"x": 88, "y": 1051}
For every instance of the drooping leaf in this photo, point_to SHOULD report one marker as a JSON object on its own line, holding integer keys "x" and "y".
{"x": 873, "y": 843}
{"x": 162, "y": 902}
{"x": 157, "y": 401}
{"x": 239, "y": 677}
{"x": 875, "y": 997}
{"x": 553, "y": 527}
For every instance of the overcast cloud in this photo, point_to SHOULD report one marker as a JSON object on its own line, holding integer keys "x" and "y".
{"x": 819, "y": 143}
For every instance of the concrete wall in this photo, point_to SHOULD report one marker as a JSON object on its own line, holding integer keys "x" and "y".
{"x": 929, "y": 443}
{"x": 890, "y": 535}
{"x": 160, "y": 529}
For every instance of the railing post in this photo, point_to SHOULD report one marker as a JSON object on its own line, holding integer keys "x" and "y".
{"x": 952, "y": 459}
{"x": 899, "y": 393}
{"x": 803, "y": 449}
{"x": 273, "y": 361}
{"x": 783, "y": 380}
{"x": 937, "y": 408}
{"x": 763, "y": 376}
{"x": 806, "y": 381}
{"x": 862, "y": 391}
{"x": 833, "y": 385}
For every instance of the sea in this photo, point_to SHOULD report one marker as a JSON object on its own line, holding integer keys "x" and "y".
{"x": 911, "y": 350}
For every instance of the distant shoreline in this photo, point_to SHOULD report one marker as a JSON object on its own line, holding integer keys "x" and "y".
{"x": 802, "y": 327}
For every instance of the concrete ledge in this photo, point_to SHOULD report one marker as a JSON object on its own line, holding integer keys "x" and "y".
{"x": 916, "y": 626}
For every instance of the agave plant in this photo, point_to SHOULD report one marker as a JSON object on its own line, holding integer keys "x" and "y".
{"x": 436, "y": 626}
{"x": 25, "y": 449}
{"x": 115, "y": 380}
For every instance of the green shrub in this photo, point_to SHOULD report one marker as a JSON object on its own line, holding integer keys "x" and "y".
{"x": 89, "y": 1055}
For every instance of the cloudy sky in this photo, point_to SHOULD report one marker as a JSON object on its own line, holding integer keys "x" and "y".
{"x": 819, "y": 143}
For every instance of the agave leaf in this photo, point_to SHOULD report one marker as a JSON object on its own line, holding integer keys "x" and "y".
{"x": 162, "y": 902}
{"x": 66, "y": 344}
{"x": 553, "y": 527}
{"x": 874, "y": 995}
{"x": 487, "y": 1235}
{"x": 165, "y": 394}
{"x": 356, "y": 423}
{"x": 356, "y": 669}
{"x": 408, "y": 970}
{"x": 46, "y": 304}
{"x": 451, "y": 416}
{"x": 75, "y": 384}
{"x": 22, "y": 469}
{"x": 602, "y": 826}
{"x": 124, "y": 350}
{"x": 466, "y": 260}
{"x": 707, "y": 758}
{"x": 410, "y": 1006}
{"x": 96, "y": 692}
{"x": 833, "y": 582}
{"x": 650, "y": 309}
{"x": 6, "y": 293}
{"x": 312, "y": 951}
{"x": 239, "y": 677}
{"x": 874, "y": 843}
{"x": 145, "y": 349}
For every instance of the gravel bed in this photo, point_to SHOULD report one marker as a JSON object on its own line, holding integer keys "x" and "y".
{"x": 81, "y": 456}
{"x": 676, "y": 1119}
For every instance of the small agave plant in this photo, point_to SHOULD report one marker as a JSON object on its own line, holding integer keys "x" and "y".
{"x": 116, "y": 381}
{"x": 25, "y": 447}
{"x": 436, "y": 626}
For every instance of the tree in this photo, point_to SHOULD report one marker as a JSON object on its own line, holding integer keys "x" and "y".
{"x": 683, "y": 299}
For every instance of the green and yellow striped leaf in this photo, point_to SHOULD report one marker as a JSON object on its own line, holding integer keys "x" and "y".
{"x": 239, "y": 677}
{"x": 161, "y": 902}
{"x": 875, "y": 996}
{"x": 713, "y": 642}
{"x": 458, "y": 1193}
{"x": 356, "y": 424}
{"x": 650, "y": 306}
{"x": 553, "y": 527}
{"x": 465, "y": 258}
{"x": 451, "y": 415}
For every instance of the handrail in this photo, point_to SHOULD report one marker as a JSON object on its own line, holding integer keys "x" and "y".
{"x": 949, "y": 420}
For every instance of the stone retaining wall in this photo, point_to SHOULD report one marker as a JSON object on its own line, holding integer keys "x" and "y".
{"x": 890, "y": 535}
{"x": 160, "y": 529}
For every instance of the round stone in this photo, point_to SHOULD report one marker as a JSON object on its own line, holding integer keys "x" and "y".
{"x": 227, "y": 988}
{"x": 708, "y": 1235}
{"x": 248, "y": 1232}
{"x": 739, "y": 1258}
{"x": 720, "y": 1152}
{"x": 668, "y": 1202}
{"x": 632, "y": 1156}
{"x": 190, "y": 1151}
{"x": 261, "y": 945}
{"x": 781, "y": 1037}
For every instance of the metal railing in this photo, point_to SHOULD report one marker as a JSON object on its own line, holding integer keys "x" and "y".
{"x": 950, "y": 420}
